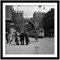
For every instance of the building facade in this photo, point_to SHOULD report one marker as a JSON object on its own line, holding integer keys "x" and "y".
{"x": 38, "y": 16}
{"x": 8, "y": 17}
{"x": 17, "y": 18}
{"x": 49, "y": 23}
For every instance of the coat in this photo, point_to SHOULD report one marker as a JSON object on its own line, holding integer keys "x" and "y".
{"x": 22, "y": 37}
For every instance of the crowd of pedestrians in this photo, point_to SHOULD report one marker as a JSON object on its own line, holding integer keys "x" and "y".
{"x": 21, "y": 37}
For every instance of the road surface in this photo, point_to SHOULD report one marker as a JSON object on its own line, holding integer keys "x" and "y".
{"x": 42, "y": 46}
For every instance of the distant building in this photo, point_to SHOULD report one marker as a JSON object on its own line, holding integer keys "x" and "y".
{"x": 17, "y": 18}
{"x": 38, "y": 16}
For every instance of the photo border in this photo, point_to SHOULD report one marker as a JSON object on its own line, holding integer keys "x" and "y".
{"x": 29, "y": 57}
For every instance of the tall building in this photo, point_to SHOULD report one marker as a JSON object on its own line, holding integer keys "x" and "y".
{"x": 17, "y": 18}
{"x": 38, "y": 16}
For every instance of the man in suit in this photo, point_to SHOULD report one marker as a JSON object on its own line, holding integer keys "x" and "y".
{"x": 22, "y": 38}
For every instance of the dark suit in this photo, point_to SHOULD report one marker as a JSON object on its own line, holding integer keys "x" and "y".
{"x": 22, "y": 38}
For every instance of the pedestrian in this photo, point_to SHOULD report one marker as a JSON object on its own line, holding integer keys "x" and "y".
{"x": 10, "y": 38}
{"x": 26, "y": 38}
{"x": 22, "y": 38}
{"x": 7, "y": 37}
{"x": 16, "y": 38}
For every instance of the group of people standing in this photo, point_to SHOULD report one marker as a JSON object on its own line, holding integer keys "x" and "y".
{"x": 18, "y": 37}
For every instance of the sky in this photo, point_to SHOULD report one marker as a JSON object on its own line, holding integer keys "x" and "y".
{"x": 30, "y": 9}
